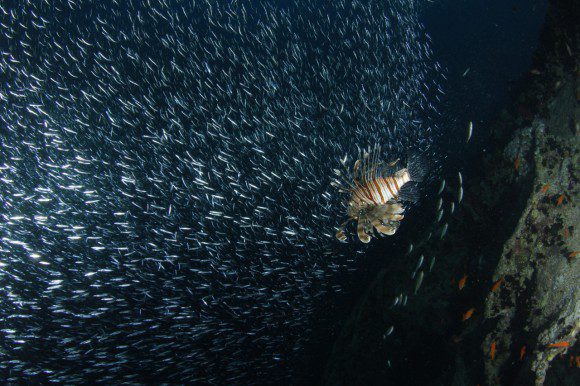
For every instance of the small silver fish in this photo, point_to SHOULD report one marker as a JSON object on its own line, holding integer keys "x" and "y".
{"x": 469, "y": 131}
{"x": 441, "y": 187}
{"x": 432, "y": 263}
{"x": 444, "y": 230}
{"x": 419, "y": 281}
{"x": 419, "y": 262}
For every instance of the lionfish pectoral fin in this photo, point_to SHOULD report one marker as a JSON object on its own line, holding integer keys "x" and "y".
{"x": 382, "y": 228}
{"x": 340, "y": 235}
{"x": 361, "y": 231}
{"x": 393, "y": 207}
{"x": 355, "y": 171}
{"x": 388, "y": 229}
{"x": 393, "y": 217}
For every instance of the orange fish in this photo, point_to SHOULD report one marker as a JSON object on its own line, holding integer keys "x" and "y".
{"x": 517, "y": 163}
{"x": 496, "y": 285}
{"x": 522, "y": 352}
{"x": 462, "y": 282}
{"x": 573, "y": 254}
{"x": 559, "y": 344}
{"x": 560, "y": 199}
{"x": 468, "y": 314}
{"x": 545, "y": 188}
{"x": 566, "y": 232}
{"x": 492, "y": 351}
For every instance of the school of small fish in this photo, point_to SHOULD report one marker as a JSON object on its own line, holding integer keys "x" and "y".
{"x": 167, "y": 212}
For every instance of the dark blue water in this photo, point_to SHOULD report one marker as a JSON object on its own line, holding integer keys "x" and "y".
{"x": 494, "y": 40}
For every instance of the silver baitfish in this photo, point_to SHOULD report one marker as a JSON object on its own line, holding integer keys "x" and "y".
{"x": 167, "y": 209}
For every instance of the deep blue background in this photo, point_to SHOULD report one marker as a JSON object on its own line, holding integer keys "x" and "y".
{"x": 496, "y": 40}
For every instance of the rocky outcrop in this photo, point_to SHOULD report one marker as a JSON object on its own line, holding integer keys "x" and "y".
{"x": 538, "y": 303}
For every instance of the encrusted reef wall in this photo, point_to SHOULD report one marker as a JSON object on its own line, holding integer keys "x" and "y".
{"x": 502, "y": 305}
{"x": 538, "y": 302}
{"x": 534, "y": 317}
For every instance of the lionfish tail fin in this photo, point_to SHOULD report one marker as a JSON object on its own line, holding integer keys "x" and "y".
{"x": 410, "y": 192}
{"x": 417, "y": 167}
{"x": 340, "y": 235}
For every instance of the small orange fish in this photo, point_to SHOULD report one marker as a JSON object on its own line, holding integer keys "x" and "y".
{"x": 517, "y": 163}
{"x": 545, "y": 188}
{"x": 468, "y": 314}
{"x": 559, "y": 344}
{"x": 560, "y": 199}
{"x": 492, "y": 351}
{"x": 522, "y": 352}
{"x": 496, "y": 285}
{"x": 566, "y": 232}
{"x": 573, "y": 254}
{"x": 462, "y": 282}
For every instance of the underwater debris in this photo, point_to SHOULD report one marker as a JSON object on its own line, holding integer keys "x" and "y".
{"x": 377, "y": 191}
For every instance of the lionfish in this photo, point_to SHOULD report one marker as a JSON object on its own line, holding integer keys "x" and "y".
{"x": 377, "y": 191}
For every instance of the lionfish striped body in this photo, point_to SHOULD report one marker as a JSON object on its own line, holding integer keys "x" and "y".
{"x": 376, "y": 193}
